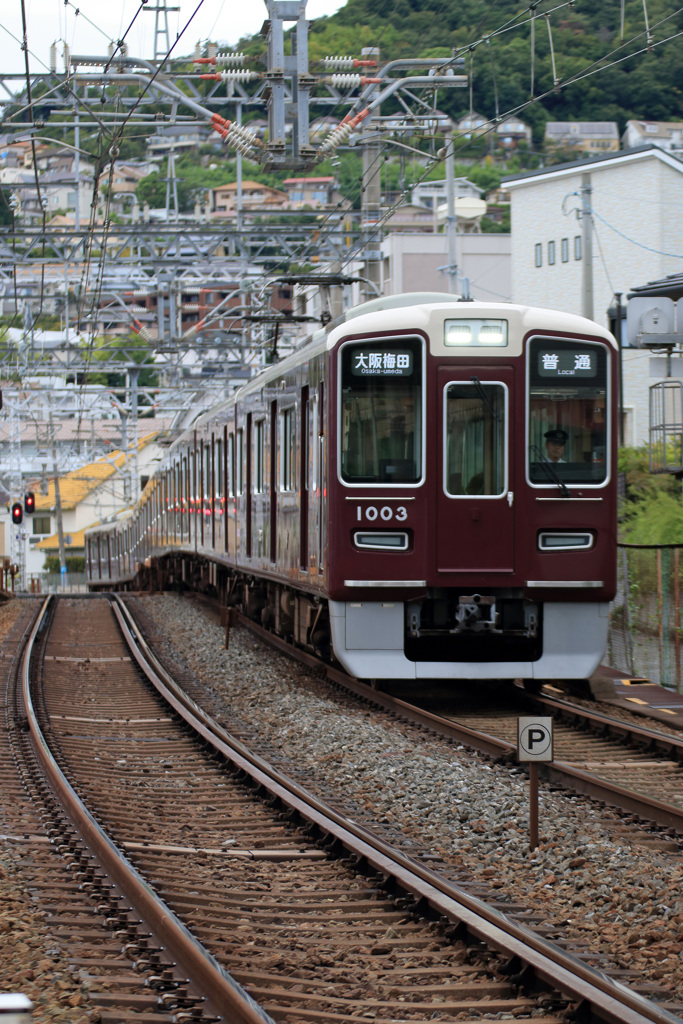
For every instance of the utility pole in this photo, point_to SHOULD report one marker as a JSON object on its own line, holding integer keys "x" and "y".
{"x": 587, "y": 245}
{"x": 451, "y": 223}
{"x": 58, "y": 498}
{"x": 371, "y": 198}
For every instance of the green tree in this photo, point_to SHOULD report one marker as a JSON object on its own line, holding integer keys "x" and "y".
{"x": 652, "y": 512}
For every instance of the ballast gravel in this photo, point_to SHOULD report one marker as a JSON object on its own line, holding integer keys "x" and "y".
{"x": 606, "y": 886}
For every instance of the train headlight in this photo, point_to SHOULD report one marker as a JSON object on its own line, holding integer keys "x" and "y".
{"x": 475, "y": 332}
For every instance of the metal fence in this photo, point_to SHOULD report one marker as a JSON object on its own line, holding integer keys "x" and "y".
{"x": 47, "y": 583}
{"x": 645, "y": 617}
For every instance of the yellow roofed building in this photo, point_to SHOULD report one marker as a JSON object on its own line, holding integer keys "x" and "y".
{"x": 87, "y": 496}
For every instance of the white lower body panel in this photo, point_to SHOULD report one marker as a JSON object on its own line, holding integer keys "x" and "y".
{"x": 367, "y": 637}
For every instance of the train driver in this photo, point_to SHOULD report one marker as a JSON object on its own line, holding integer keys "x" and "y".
{"x": 555, "y": 440}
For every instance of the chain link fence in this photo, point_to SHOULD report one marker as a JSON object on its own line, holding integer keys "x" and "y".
{"x": 645, "y": 617}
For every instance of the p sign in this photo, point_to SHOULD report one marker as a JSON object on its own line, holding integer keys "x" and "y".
{"x": 535, "y": 739}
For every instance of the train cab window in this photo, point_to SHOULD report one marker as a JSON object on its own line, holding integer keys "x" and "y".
{"x": 567, "y": 413}
{"x": 381, "y": 411}
{"x": 475, "y": 459}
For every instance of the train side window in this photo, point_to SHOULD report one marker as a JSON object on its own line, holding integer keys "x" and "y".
{"x": 475, "y": 457}
{"x": 219, "y": 469}
{"x": 239, "y": 462}
{"x": 231, "y": 465}
{"x": 288, "y": 449}
{"x": 567, "y": 413}
{"x": 381, "y": 411}
{"x": 260, "y": 456}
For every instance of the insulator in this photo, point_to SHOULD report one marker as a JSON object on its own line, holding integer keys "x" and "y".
{"x": 335, "y": 138}
{"x": 345, "y": 81}
{"x": 145, "y": 334}
{"x": 53, "y": 57}
{"x": 236, "y": 76}
{"x": 338, "y": 63}
{"x": 190, "y": 307}
{"x": 346, "y": 63}
{"x": 230, "y": 58}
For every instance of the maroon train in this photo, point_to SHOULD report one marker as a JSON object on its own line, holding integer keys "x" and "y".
{"x": 388, "y": 495}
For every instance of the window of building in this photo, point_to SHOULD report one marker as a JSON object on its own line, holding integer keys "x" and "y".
{"x": 551, "y": 253}
{"x": 565, "y": 250}
{"x": 539, "y": 254}
{"x": 41, "y": 525}
{"x": 577, "y": 247}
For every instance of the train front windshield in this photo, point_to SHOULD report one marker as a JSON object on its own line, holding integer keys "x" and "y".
{"x": 567, "y": 413}
{"x": 381, "y": 411}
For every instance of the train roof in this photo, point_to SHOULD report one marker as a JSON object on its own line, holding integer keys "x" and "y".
{"x": 387, "y": 313}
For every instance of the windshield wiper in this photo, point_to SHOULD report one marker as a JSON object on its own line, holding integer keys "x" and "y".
{"x": 549, "y": 470}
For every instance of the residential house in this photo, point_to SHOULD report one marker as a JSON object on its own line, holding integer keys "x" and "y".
{"x": 512, "y": 132}
{"x": 14, "y": 154}
{"x": 589, "y": 137}
{"x": 122, "y": 183}
{"x": 636, "y": 207}
{"x": 177, "y": 138}
{"x": 473, "y": 124}
{"x": 312, "y": 192}
{"x": 255, "y": 197}
{"x": 433, "y": 194}
{"x": 60, "y": 189}
{"x": 665, "y": 134}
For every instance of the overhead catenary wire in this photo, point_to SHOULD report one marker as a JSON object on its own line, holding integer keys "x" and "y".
{"x": 515, "y": 22}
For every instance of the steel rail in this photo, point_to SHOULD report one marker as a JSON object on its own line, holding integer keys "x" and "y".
{"x": 223, "y": 994}
{"x": 607, "y": 999}
{"x": 559, "y": 772}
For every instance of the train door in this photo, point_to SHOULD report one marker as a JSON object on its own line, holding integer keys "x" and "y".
{"x": 475, "y": 496}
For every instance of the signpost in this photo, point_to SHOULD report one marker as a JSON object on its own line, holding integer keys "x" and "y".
{"x": 534, "y": 744}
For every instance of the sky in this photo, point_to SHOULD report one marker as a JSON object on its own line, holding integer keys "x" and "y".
{"x": 102, "y": 20}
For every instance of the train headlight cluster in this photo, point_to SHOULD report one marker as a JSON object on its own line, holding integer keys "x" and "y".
{"x": 475, "y": 332}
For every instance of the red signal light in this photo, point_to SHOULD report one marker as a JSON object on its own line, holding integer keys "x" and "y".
{"x": 17, "y": 513}
{"x": 29, "y": 502}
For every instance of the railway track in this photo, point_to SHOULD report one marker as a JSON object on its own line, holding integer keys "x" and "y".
{"x": 634, "y": 768}
{"x": 247, "y": 909}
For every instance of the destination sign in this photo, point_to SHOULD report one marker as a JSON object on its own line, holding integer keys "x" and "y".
{"x": 386, "y": 363}
{"x": 567, "y": 363}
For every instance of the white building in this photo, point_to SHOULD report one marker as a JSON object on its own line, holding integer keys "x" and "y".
{"x": 665, "y": 134}
{"x": 636, "y": 203}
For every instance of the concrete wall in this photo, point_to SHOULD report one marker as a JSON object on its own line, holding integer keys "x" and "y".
{"x": 412, "y": 262}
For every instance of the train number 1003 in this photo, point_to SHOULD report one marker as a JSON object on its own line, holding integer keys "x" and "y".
{"x": 386, "y": 514}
